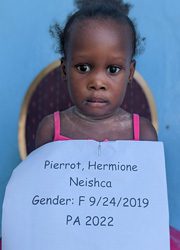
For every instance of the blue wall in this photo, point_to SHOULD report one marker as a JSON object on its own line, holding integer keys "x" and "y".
{"x": 26, "y": 48}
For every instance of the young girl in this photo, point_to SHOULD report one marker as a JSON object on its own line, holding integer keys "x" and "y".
{"x": 98, "y": 45}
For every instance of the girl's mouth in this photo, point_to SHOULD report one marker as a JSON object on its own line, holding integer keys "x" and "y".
{"x": 96, "y": 102}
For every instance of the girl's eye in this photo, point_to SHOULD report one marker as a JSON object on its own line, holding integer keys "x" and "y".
{"x": 113, "y": 69}
{"x": 84, "y": 68}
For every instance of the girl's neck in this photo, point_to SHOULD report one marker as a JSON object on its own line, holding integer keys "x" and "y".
{"x": 76, "y": 125}
{"x": 96, "y": 119}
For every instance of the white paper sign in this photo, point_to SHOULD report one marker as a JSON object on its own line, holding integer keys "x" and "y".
{"x": 85, "y": 195}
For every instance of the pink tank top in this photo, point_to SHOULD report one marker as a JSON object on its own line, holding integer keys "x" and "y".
{"x": 59, "y": 137}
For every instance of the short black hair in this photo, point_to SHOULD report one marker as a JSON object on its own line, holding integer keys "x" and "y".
{"x": 96, "y": 9}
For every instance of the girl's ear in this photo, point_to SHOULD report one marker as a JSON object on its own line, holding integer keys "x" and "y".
{"x": 132, "y": 69}
{"x": 63, "y": 68}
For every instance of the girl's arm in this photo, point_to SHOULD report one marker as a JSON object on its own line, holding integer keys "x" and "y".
{"x": 45, "y": 131}
{"x": 147, "y": 131}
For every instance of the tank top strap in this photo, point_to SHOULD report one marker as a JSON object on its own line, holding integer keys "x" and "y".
{"x": 136, "y": 127}
{"x": 57, "y": 125}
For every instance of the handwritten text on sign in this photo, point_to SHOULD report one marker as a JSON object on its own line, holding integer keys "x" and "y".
{"x": 88, "y": 195}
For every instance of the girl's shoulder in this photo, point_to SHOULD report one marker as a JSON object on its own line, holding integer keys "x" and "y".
{"x": 45, "y": 131}
{"x": 147, "y": 131}
{"x": 136, "y": 127}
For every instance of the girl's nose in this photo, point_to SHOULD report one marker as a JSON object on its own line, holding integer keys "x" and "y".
{"x": 97, "y": 84}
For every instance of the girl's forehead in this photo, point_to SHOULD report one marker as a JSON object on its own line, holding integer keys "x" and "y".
{"x": 96, "y": 25}
{"x": 93, "y": 32}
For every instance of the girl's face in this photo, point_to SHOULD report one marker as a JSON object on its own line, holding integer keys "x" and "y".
{"x": 98, "y": 66}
